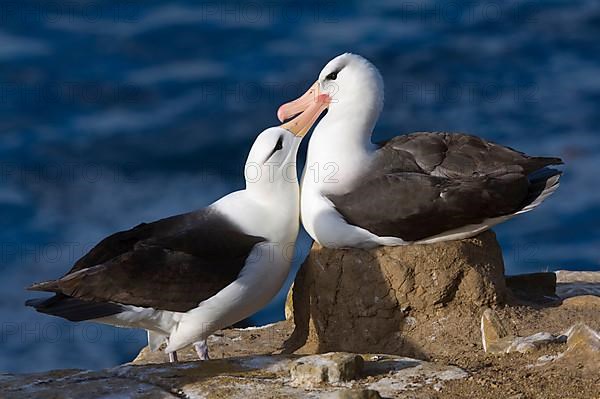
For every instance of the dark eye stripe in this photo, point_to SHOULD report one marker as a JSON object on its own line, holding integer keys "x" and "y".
{"x": 279, "y": 144}
{"x": 332, "y": 76}
{"x": 278, "y": 147}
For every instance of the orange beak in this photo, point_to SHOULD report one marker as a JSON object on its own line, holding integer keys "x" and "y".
{"x": 300, "y": 125}
{"x": 302, "y": 103}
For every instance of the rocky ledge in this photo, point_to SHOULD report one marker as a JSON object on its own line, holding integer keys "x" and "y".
{"x": 469, "y": 332}
{"x": 333, "y": 375}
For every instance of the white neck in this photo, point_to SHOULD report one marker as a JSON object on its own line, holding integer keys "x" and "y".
{"x": 271, "y": 214}
{"x": 340, "y": 148}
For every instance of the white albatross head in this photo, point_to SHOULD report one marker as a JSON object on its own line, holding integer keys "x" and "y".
{"x": 353, "y": 86}
{"x": 271, "y": 162}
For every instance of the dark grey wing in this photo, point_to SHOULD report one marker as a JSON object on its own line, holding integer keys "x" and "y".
{"x": 124, "y": 241}
{"x": 454, "y": 155}
{"x": 172, "y": 269}
{"x": 415, "y": 206}
{"x": 425, "y": 184}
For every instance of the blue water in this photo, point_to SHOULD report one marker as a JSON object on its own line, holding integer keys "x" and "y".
{"x": 115, "y": 114}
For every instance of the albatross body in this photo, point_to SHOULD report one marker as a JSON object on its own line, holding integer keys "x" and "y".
{"x": 184, "y": 277}
{"x": 417, "y": 188}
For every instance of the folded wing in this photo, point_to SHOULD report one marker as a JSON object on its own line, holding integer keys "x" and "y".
{"x": 171, "y": 264}
{"x": 425, "y": 184}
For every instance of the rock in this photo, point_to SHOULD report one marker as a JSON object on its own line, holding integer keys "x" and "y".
{"x": 533, "y": 287}
{"x": 571, "y": 283}
{"x": 353, "y": 394}
{"x": 246, "y": 377}
{"x": 401, "y": 374}
{"x": 496, "y": 339}
{"x": 582, "y": 336}
{"x": 75, "y": 384}
{"x": 582, "y": 355}
{"x": 583, "y": 348}
{"x": 358, "y": 300}
{"x": 494, "y": 335}
{"x": 584, "y": 301}
{"x": 533, "y": 342}
{"x": 569, "y": 276}
{"x": 329, "y": 368}
{"x": 582, "y": 352}
{"x": 289, "y": 304}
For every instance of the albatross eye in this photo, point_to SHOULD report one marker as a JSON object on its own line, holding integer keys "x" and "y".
{"x": 331, "y": 76}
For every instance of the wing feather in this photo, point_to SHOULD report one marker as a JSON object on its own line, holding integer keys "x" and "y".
{"x": 424, "y": 184}
{"x": 172, "y": 264}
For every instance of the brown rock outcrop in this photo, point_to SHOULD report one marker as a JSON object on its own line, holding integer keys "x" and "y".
{"x": 413, "y": 300}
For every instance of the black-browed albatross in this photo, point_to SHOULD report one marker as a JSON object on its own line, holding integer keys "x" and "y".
{"x": 417, "y": 188}
{"x": 186, "y": 276}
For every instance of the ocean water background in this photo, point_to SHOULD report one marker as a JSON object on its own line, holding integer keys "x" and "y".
{"x": 114, "y": 113}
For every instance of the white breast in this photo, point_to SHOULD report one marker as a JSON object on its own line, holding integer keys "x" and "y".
{"x": 260, "y": 280}
{"x": 335, "y": 163}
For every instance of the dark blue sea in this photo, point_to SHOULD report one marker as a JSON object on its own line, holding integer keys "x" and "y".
{"x": 114, "y": 113}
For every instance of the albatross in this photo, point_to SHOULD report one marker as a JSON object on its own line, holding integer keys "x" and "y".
{"x": 184, "y": 277}
{"x": 422, "y": 187}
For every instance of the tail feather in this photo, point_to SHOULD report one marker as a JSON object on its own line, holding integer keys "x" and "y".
{"x": 74, "y": 309}
{"x": 47, "y": 286}
{"x": 543, "y": 183}
{"x": 547, "y": 161}
{"x": 535, "y": 164}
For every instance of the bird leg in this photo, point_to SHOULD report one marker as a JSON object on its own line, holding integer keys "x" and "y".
{"x": 202, "y": 349}
{"x": 172, "y": 355}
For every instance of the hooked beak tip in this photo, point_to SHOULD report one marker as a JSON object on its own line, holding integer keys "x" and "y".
{"x": 281, "y": 114}
{"x": 301, "y": 124}
{"x": 293, "y": 108}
